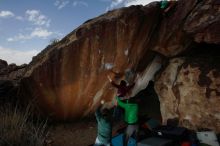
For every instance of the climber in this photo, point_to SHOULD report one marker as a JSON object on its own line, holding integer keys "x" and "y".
{"x": 103, "y": 118}
{"x": 167, "y": 5}
{"x": 123, "y": 88}
{"x": 130, "y": 118}
{"x": 122, "y": 92}
{"x": 163, "y": 4}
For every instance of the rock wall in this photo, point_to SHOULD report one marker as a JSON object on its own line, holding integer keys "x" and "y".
{"x": 189, "y": 89}
{"x": 10, "y": 76}
{"x": 69, "y": 78}
{"x": 203, "y": 22}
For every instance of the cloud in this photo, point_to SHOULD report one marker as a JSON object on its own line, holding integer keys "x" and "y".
{"x": 61, "y": 4}
{"x": 138, "y": 2}
{"x": 118, "y": 3}
{"x": 75, "y": 3}
{"x": 37, "y": 18}
{"x": 36, "y": 33}
{"x": 6, "y": 14}
{"x": 19, "y": 18}
{"x": 16, "y": 56}
{"x": 115, "y": 3}
{"x": 105, "y": 0}
{"x": 19, "y": 37}
{"x": 41, "y": 33}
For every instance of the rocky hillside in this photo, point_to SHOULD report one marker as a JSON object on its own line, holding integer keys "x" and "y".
{"x": 178, "y": 49}
{"x": 10, "y": 76}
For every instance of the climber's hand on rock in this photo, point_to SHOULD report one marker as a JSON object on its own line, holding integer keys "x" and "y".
{"x": 110, "y": 80}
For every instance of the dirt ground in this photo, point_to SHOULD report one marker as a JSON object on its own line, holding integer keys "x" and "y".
{"x": 72, "y": 134}
{"x": 76, "y": 133}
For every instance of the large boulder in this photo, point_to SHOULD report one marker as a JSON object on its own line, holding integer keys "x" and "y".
{"x": 3, "y": 64}
{"x": 10, "y": 76}
{"x": 69, "y": 78}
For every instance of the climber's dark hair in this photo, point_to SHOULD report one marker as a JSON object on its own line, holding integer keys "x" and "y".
{"x": 123, "y": 83}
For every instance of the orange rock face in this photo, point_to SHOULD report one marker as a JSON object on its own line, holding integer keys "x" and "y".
{"x": 69, "y": 79}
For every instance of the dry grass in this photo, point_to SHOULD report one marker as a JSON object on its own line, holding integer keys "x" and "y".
{"x": 18, "y": 128}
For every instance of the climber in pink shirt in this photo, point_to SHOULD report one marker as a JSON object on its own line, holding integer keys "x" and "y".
{"x": 123, "y": 90}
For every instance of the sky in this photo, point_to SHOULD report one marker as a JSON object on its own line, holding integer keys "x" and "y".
{"x": 28, "y": 26}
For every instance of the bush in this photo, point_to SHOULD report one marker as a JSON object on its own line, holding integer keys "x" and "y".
{"x": 17, "y": 128}
{"x": 54, "y": 41}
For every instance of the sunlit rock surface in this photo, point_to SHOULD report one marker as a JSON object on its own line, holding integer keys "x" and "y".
{"x": 189, "y": 89}
{"x": 69, "y": 78}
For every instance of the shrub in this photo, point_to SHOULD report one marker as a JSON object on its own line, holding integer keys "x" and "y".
{"x": 54, "y": 41}
{"x": 17, "y": 128}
